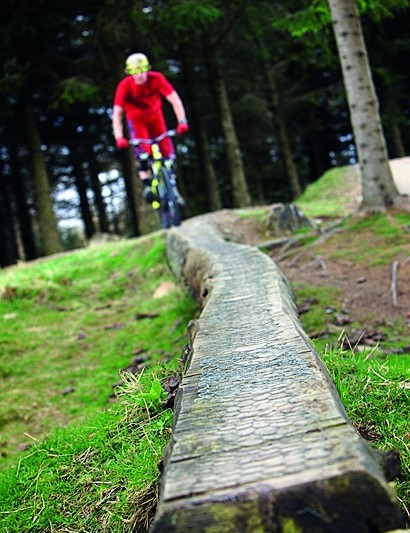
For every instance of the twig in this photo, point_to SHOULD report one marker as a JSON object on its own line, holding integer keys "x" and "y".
{"x": 405, "y": 508}
{"x": 43, "y": 506}
{"x": 314, "y": 260}
{"x": 285, "y": 248}
{"x": 385, "y": 381}
{"x": 322, "y": 264}
{"x": 319, "y": 240}
{"x": 31, "y": 437}
{"x": 395, "y": 268}
{"x": 275, "y": 243}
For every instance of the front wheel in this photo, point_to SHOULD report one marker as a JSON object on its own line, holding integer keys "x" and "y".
{"x": 169, "y": 212}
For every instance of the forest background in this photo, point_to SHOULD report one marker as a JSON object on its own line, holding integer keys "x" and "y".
{"x": 261, "y": 82}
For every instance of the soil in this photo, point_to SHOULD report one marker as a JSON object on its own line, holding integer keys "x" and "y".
{"x": 366, "y": 295}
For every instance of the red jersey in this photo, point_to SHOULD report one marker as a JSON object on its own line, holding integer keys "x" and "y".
{"x": 138, "y": 101}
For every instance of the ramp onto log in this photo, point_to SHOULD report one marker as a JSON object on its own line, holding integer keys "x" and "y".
{"x": 261, "y": 442}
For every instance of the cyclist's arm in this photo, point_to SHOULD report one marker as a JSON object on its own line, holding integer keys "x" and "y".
{"x": 177, "y": 106}
{"x": 117, "y": 121}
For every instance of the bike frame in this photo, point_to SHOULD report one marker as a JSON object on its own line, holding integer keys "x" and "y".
{"x": 166, "y": 205}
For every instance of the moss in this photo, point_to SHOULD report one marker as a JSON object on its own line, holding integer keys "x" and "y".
{"x": 289, "y": 525}
{"x": 232, "y": 518}
{"x": 228, "y": 516}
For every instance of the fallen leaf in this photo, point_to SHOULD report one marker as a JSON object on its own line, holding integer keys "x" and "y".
{"x": 67, "y": 390}
{"x": 9, "y": 316}
{"x": 164, "y": 289}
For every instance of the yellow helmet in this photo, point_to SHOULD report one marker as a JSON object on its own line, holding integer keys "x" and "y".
{"x": 136, "y": 64}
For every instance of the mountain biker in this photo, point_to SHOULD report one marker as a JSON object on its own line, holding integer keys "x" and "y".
{"x": 138, "y": 98}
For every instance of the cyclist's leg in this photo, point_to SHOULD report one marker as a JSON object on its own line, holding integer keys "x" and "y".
{"x": 142, "y": 153}
{"x": 140, "y": 129}
{"x": 157, "y": 127}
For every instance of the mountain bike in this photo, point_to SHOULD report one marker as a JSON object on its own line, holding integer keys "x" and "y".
{"x": 163, "y": 182}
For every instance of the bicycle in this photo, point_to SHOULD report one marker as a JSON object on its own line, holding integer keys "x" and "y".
{"x": 162, "y": 184}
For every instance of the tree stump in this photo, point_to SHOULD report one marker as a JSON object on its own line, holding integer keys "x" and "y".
{"x": 287, "y": 218}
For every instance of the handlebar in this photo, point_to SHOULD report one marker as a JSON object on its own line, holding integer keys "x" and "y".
{"x": 137, "y": 141}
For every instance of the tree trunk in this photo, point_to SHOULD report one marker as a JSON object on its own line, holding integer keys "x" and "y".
{"x": 45, "y": 215}
{"x": 318, "y": 140}
{"x": 397, "y": 140}
{"x": 24, "y": 221}
{"x": 378, "y": 189}
{"x": 259, "y": 193}
{"x": 393, "y": 118}
{"x": 8, "y": 240}
{"x": 81, "y": 187}
{"x": 206, "y": 166}
{"x": 128, "y": 165}
{"x": 99, "y": 200}
{"x": 241, "y": 197}
{"x": 280, "y": 126}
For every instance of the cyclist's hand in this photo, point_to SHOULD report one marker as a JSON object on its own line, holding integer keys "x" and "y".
{"x": 122, "y": 142}
{"x": 182, "y": 128}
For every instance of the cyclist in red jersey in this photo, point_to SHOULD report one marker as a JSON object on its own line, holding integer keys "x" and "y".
{"x": 139, "y": 98}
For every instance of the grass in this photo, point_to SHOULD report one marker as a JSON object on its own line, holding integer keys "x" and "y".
{"x": 70, "y": 323}
{"x": 322, "y": 298}
{"x": 78, "y": 454}
{"x": 82, "y": 433}
{"x": 258, "y": 214}
{"x": 374, "y": 385}
{"x": 318, "y": 201}
{"x": 375, "y": 390}
{"x": 90, "y": 477}
{"x": 384, "y": 237}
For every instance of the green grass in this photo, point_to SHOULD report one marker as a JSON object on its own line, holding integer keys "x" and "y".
{"x": 71, "y": 322}
{"x": 315, "y": 319}
{"x": 374, "y": 385}
{"x": 378, "y": 240}
{"x": 99, "y": 476}
{"x": 375, "y": 389}
{"x": 390, "y": 227}
{"x": 326, "y": 197}
{"x": 75, "y": 456}
{"x": 258, "y": 214}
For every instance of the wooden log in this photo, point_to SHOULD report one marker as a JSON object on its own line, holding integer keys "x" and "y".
{"x": 261, "y": 441}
